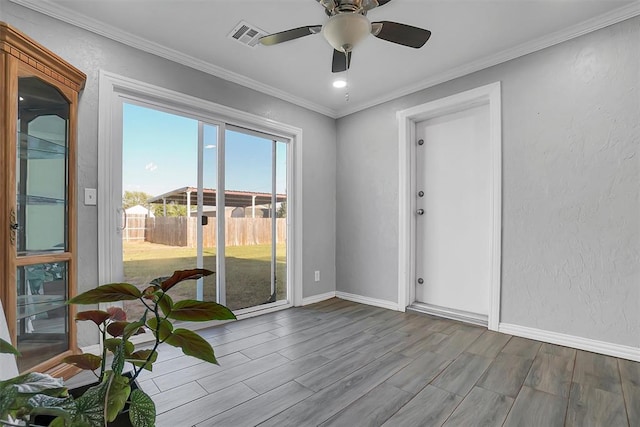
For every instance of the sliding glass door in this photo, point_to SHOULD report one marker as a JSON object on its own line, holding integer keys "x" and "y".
{"x": 256, "y": 206}
{"x": 197, "y": 193}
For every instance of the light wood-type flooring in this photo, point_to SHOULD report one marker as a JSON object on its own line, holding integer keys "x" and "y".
{"x": 338, "y": 363}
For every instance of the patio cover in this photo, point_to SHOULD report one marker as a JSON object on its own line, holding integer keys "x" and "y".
{"x": 188, "y": 196}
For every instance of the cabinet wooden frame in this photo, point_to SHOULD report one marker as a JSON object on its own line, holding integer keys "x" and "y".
{"x": 21, "y": 56}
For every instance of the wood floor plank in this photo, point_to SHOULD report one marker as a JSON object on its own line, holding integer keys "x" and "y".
{"x": 558, "y": 350}
{"x": 244, "y": 343}
{"x": 522, "y": 347}
{"x": 226, "y": 378}
{"x": 357, "y": 365}
{"x": 335, "y": 370}
{"x": 284, "y": 373}
{"x": 489, "y": 344}
{"x": 206, "y": 407}
{"x": 372, "y": 409}
{"x": 630, "y": 371}
{"x": 383, "y": 344}
{"x": 457, "y": 342}
{"x": 346, "y": 346}
{"x": 320, "y": 342}
{"x": 480, "y": 408}
{"x": 283, "y": 342}
{"x": 536, "y": 408}
{"x": 551, "y": 374}
{"x": 149, "y": 387}
{"x": 261, "y": 408}
{"x": 632, "y": 402}
{"x": 593, "y": 407}
{"x": 331, "y": 400}
{"x": 461, "y": 375}
{"x": 178, "y": 396}
{"x": 417, "y": 374}
{"x": 232, "y": 336}
{"x": 428, "y": 344}
{"x": 506, "y": 374}
{"x": 598, "y": 371}
{"x": 431, "y": 407}
{"x": 197, "y": 371}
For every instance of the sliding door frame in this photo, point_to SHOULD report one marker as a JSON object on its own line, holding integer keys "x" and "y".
{"x": 116, "y": 90}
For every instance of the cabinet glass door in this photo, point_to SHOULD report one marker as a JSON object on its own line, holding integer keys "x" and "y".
{"x": 40, "y": 221}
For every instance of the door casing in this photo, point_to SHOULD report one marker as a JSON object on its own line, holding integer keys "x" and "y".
{"x": 407, "y": 120}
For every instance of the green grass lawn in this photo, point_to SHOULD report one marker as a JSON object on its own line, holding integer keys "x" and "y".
{"x": 247, "y": 268}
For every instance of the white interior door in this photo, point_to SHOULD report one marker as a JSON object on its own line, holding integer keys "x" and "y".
{"x": 454, "y": 223}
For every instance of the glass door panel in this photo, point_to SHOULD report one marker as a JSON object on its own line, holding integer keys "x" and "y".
{"x": 159, "y": 199}
{"x": 251, "y": 223}
{"x": 207, "y": 286}
{"x": 42, "y": 312}
{"x": 41, "y": 222}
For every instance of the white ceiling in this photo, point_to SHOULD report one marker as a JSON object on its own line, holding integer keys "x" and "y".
{"x": 467, "y": 36}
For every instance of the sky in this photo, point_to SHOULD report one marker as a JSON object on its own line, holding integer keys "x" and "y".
{"x": 160, "y": 154}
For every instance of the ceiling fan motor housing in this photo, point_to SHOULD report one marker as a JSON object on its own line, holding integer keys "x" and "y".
{"x": 345, "y": 30}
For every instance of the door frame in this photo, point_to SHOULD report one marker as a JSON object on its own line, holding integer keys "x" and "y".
{"x": 113, "y": 90}
{"x": 407, "y": 120}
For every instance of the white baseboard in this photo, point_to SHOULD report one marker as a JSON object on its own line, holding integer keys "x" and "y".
{"x": 390, "y": 305}
{"x": 317, "y": 298}
{"x": 610, "y": 349}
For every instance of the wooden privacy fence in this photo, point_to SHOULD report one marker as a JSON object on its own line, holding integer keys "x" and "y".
{"x": 181, "y": 231}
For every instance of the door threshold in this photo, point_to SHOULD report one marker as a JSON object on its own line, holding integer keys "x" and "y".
{"x": 450, "y": 313}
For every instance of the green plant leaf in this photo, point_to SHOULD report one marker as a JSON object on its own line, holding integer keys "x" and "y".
{"x": 116, "y": 314}
{"x": 112, "y": 344}
{"x": 134, "y": 328}
{"x": 198, "y": 311}
{"x": 192, "y": 344}
{"x": 117, "y": 365}
{"x": 164, "y": 302}
{"x": 87, "y": 361}
{"x": 90, "y": 406}
{"x": 118, "y": 393}
{"x": 96, "y": 316}
{"x": 107, "y": 293}
{"x": 6, "y": 347}
{"x": 142, "y": 410}
{"x": 139, "y": 358}
{"x": 36, "y": 382}
{"x": 53, "y": 406}
{"x": 180, "y": 275}
{"x": 8, "y": 395}
{"x": 163, "y": 329}
{"x": 116, "y": 329}
{"x": 157, "y": 282}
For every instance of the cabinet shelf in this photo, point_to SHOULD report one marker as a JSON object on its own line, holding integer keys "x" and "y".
{"x": 31, "y": 200}
{"x": 32, "y": 147}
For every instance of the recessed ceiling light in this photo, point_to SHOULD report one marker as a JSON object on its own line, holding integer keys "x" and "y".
{"x": 339, "y": 83}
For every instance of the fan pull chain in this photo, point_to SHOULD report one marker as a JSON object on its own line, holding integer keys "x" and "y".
{"x": 346, "y": 61}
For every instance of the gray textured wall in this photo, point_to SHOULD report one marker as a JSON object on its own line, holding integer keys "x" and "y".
{"x": 571, "y": 185}
{"x": 90, "y": 53}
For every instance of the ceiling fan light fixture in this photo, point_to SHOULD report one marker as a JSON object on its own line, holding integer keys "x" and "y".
{"x": 339, "y": 83}
{"x": 345, "y": 30}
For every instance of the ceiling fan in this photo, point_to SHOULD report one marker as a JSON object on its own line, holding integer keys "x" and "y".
{"x": 348, "y": 25}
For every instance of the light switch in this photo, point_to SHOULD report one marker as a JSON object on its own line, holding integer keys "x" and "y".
{"x": 90, "y": 196}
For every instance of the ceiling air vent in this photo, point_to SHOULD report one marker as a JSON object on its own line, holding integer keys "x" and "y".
{"x": 246, "y": 34}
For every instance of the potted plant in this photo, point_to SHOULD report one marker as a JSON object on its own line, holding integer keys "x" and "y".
{"x": 30, "y": 395}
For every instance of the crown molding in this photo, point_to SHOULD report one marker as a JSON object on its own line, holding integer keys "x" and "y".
{"x": 613, "y": 17}
{"x": 82, "y": 21}
{"x": 71, "y": 17}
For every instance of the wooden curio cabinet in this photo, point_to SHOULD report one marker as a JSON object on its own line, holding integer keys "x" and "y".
{"x": 39, "y": 98}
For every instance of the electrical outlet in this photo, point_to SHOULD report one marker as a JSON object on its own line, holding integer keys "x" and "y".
{"x": 317, "y": 275}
